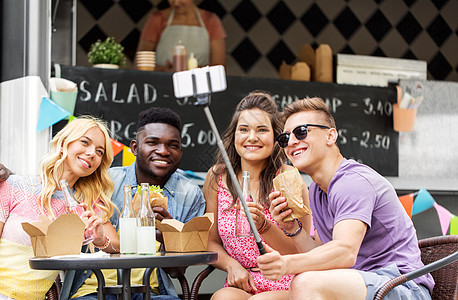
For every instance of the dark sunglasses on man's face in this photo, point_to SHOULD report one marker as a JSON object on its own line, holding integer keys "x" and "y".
{"x": 300, "y": 132}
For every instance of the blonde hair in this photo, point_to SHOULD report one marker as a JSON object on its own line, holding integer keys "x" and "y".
{"x": 309, "y": 104}
{"x": 97, "y": 186}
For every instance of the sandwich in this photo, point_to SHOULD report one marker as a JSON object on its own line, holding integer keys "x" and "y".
{"x": 290, "y": 183}
{"x": 156, "y": 198}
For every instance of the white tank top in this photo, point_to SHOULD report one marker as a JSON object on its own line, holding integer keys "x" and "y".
{"x": 194, "y": 38}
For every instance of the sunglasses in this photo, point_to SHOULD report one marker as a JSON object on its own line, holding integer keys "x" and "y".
{"x": 300, "y": 132}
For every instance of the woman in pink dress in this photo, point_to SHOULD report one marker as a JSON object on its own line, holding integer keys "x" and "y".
{"x": 250, "y": 144}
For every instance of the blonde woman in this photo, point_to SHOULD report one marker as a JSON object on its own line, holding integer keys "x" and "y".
{"x": 80, "y": 153}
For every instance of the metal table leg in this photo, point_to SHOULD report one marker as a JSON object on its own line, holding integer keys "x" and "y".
{"x": 146, "y": 283}
{"x": 124, "y": 274}
{"x": 100, "y": 284}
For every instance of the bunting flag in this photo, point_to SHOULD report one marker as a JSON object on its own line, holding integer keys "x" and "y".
{"x": 50, "y": 113}
{"x": 128, "y": 157}
{"x": 453, "y": 225}
{"x": 407, "y": 203}
{"x": 444, "y": 217}
{"x": 190, "y": 174}
{"x": 422, "y": 202}
{"x": 117, "y": 147}
{"x": 72, "y": 117}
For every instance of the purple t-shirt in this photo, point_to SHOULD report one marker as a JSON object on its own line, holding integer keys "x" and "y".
{"x": 358, "y": 192}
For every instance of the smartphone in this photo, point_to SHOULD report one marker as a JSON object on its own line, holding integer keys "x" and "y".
{"x": 199, "y": 81}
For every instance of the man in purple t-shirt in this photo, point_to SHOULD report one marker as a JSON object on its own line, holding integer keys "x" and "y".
{"x": 363, "y": 236}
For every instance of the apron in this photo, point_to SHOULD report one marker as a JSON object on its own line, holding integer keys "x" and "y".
{"x": 194, "y": 38}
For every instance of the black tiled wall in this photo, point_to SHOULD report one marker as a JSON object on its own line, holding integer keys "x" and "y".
{"x": 262, "y": 33}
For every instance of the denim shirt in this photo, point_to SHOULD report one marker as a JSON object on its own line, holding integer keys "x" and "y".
{"x": 185, "y": 201}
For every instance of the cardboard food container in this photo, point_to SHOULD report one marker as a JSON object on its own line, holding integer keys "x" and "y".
{"x": 189, "y": 237}
{"x": 63, "y": 236}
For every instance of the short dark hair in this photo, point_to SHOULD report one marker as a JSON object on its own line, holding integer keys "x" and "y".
{"x": 158, "y": 115}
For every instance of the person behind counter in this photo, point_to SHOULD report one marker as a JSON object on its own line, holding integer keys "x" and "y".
{"x": 363, "y": 235}
{"x": 200, "y": 31}
{"x": 249, "y": 141}
{"x": 80, "y": 153}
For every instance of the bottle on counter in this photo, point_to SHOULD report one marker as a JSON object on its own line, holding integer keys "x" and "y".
{"x": 146, "y": 228}
{"x": 242, "y": 226}
{"x": 128, "y": 224}
{"x": 180, "y": 58}
{"x": 192, "y": 62}
{"x": 73, "y": 207}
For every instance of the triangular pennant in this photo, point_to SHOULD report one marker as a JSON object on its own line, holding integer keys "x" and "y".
{"x": 190, "y": 174}
{"x": 444, "y": 217}
{"x": 422, "y": 202}
{"x": 454, "y": 225}
{"x": 50, "y": 114}
{"x": 117, "y": 147}
{"x": 128, "y": 157}
{"x": 407, "y": 203}
{"x": 71, "y": 118}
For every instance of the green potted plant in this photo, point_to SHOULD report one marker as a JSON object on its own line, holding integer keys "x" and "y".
{"x": 107, "y": 54}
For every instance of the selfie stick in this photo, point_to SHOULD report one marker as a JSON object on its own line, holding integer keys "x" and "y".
{"x": 202, "y": 100}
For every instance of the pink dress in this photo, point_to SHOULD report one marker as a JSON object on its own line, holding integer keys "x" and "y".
{"x": 243, "y": 249}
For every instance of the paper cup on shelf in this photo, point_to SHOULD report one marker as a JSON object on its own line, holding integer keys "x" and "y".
{"x": 145, "y": 67}
{"x": 146, "y": 52}
{"x": 403, "y": 119}
{"x": 64, "y": 93}
{"x": 146, "y": 57}
{"x": 151, "y": 55}
{"x": 145, "y": 60}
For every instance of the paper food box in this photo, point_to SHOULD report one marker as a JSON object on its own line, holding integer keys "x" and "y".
{"x": 189, "y": 237}
{"x": 63, "y": 236}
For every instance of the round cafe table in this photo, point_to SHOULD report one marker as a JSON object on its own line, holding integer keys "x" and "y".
{"x": 123, "y": 263}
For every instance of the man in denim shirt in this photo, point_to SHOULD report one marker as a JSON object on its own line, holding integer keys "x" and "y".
{"x": 157, "y": 146}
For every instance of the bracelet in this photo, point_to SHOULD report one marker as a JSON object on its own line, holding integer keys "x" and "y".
{"x": 297, "y": 231}
{"x": 265, "y": 226}
{"x": 112, "y": 247}
{"x": 107, "y": 243}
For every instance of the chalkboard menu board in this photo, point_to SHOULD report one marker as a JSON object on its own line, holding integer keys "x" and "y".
{"x": 363, "y": 114}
